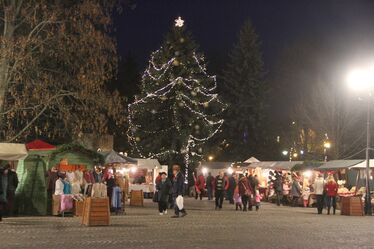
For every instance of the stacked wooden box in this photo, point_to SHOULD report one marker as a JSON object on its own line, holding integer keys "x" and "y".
{"x": 352, "y": 206}
{"x": 96, "y": 212}
{"x": 78, "y": 208}
{"x": 137, "y": 198}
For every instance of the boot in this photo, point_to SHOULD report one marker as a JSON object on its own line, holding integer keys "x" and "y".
{"x": 334, "y": 211}
{"x": 240, "y": 206}
{"x": 237, "y": 207}
{"x": 328, "y": 211}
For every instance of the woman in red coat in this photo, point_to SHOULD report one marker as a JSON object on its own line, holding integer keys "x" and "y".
{"x": 331, "y": 189}
{"x": 199, "y": 186}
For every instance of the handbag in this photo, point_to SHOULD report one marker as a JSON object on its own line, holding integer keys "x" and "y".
{"x": 155, "y": 196}
{"x": 179, "y": 202}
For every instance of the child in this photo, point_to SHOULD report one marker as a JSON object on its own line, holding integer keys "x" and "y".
{"x": 258, "y": 200}
{"x": 237, "y": 199}
{"x": 305, "y": 195}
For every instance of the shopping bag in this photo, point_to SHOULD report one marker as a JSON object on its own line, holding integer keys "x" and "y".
{"x": 179, "y": 202}
{"x": 66, "y": 203}
{"x": 155, "y": 196}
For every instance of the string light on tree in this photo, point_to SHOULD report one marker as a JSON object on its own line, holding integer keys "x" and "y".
{"x": 183, "y": 95}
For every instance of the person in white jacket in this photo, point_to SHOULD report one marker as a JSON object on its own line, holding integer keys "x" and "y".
{"x": 319, "y": 186}
{"x": 59, "y": 187}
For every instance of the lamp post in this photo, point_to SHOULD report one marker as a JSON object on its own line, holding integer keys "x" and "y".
{"x": 326, "y": 146}
{"x": 362, "y": 80}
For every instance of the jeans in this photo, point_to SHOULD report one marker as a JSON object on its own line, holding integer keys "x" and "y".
{"x": 230, "y": 195}
{"x": 245, "y": 202}
{"x": 279, "y": 194}
{"x": 210, "y": 193}
{"x": 331, "y": 200}
{"x": 295, "y": 200}
{"x": 219, "y": 198}
{"x": 319, "y": 203}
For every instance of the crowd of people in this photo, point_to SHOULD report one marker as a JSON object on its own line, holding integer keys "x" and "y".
{"x": 293, "y": 192}
{"x": 243, "y": 191}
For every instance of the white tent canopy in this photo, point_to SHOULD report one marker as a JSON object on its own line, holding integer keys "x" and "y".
{"x": 362, "y": 165}
{"x": 148, "y": 163}
{"x": 12, "y": 152}
{"x": 252, "y": 160}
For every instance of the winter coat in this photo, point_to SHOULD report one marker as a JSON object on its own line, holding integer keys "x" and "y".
{"x": 225, "y": 184}
{"x": 331, "y": 189}
{"x": 3, "y": 187}
{"x": 210, "y": 182}
{"x": 295, "y": 189}
{"x": 178, "y": 185}
{"x": 278, "y": 185}
{"x": 232, "y": 184}
{"x": 244, "y": 186}
{"x": 319, "y": 186}
{"x": 200, "y": 183}
{"x": 163, "y": 190}
{"x": 12, "y": 181}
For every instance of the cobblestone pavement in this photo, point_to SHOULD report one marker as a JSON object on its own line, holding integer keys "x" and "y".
{"x": 271, "y": 227}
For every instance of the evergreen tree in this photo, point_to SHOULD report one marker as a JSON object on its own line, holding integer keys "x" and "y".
{"x": 244, "y": 91}
{"x": 178, "y": 108}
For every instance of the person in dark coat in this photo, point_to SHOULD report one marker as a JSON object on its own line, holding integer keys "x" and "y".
{"x": 231, "y": 189}
{"x": 209, "y": 185}
{"x": 245, "y": 192}
{"x": 178, "y": 191}
{"x": 11, "y": 191}
{"x": 278, "y": 187}
{"x": 3, "y": 191}
{"x": 163, "y": 187}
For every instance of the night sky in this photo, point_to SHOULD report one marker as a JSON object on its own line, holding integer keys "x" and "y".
{"x": 341, "y": 31}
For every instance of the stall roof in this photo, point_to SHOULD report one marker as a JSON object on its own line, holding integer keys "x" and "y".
{"x": 40, "y": 145}
{"x": 148, "y": 163}
{"x": 362, "y": 165}
{"x": 252, "y": 160}
{"x": 114, "y": 157}
{"x": 339, "y": 164}
{"x": 12, "y": 152}
{"x": 216, "y": 165}
{"x": 276, "y": 165}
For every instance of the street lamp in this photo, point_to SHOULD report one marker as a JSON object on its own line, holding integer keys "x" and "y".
{"x": 326, "y": 146}
{"x": 363, "y": 80}
{"x": 210, "y": 158}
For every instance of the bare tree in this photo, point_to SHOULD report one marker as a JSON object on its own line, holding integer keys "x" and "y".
{"x": 55, "y": 59}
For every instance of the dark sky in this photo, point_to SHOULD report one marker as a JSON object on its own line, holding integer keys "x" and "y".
{"x": 344, "y": 27}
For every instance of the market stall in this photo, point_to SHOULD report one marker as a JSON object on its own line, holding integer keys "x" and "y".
{"x": 350, "y": 189}
{"x": 143, "y": 175}
{"x": 31, "y": 194}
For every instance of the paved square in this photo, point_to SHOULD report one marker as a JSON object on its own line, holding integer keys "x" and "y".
{"x": 271, "y": 227}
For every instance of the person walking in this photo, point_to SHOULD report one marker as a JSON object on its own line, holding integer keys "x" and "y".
{"x": 278, "y": 187}
{"x": 3, "y": 191}
{"x": 319, "y": 186}
{"x": 231, "y": 188}
{"x": 331, "y": 189}
{"x": 163, "y": 187}
{"x": 295, "y": 191}
{"x": 220, "y": 187}
{"x": 178, "y": 192}
{"x": 285, "y": 192}
{"x": 210, "y": 185}
{"x": 199, "y": 186}
{"x": 245, "y": 192}
{"x": 12, "y": 186}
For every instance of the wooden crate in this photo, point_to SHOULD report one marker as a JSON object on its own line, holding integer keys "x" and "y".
{"x": 56, "y": 203}
{"x": 352, "y": 206}
{"x": 96, "y": 212}
{"x": 78, "y": 208}
{"x": 137, "y": 198}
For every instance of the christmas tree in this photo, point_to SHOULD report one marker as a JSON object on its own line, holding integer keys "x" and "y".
{"x": 178, "y": 109}
{"x": 244, "y": 91}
